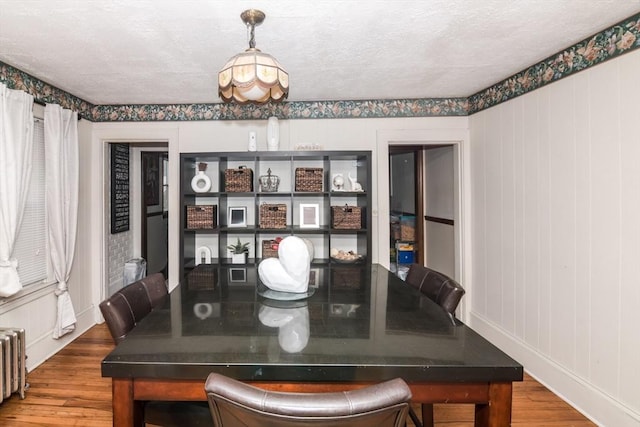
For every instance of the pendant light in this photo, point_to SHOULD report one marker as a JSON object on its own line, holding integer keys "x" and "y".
{"x": 253, "y": 76}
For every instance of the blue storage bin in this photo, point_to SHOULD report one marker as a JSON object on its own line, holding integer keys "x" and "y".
{"x": 405, "y": 257}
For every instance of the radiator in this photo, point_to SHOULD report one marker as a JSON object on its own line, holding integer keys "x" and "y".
{"x": 13, "y": 363}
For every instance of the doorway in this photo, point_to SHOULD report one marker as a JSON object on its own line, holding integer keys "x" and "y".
{"x": 405, "y": 205}
{"x": 138, "y": 245}
{"x": 422, "y": 194}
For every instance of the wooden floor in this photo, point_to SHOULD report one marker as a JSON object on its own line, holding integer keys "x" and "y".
{"x": 67, "y": 390}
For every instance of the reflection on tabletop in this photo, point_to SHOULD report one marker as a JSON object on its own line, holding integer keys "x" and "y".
{"x": 292, "y": 320}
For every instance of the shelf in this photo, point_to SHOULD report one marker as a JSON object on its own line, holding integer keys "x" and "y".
{"x": 356, "y": 164}
{"x": 202, "y": 230}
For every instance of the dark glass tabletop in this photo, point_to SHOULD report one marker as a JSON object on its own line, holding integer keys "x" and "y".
{"x": 358, "y": 323}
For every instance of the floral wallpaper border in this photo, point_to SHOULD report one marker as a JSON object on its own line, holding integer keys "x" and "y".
{"x": 286, "y": 110}
{"x": 42, "y": 92}
{"x": 610, "y": 43}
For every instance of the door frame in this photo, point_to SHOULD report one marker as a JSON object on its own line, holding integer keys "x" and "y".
{"x": 459, "y": 138}
{"x": 101, "y": 137}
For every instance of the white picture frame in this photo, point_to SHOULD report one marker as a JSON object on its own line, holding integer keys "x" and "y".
{"x": 309, "y": 215}
{"x": 237, "y": 216}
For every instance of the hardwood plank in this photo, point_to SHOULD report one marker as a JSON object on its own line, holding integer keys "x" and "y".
{"x": 68, "y": 390}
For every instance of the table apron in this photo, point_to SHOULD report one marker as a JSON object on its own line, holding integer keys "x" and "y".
{"x": 427, "y": 392}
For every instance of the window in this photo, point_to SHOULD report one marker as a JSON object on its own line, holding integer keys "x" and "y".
{"x": 31, "y": 245}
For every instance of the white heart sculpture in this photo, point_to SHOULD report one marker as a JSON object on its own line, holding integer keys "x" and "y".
{"x": 290, "y": 271}
{"x": 293, "y": 324}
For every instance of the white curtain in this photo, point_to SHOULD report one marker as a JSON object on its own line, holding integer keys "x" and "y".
{"x": 16, "y": 146}
{"x": 62, "y": 169}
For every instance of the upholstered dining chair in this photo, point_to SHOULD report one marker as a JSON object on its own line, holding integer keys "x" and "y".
{"x": 416, "y": 275}
{"x": 442, "y": 290}
{"x": 124, "y": 309}
{"x": 122, "y": 312}
{"x": 236, "y": 404}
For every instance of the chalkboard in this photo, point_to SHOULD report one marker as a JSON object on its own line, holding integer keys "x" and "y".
{"x": 119, "y": 188}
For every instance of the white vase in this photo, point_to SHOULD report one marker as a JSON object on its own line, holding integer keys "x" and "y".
{"x": 253, "y": 144}
{"x": 273, "y": 134}
{"x": 201, "y": 183}
{"x": 239, "y": 258}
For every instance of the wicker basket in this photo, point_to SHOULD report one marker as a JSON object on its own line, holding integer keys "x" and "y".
{"x": 203, "y": 277}
{"x": 273, "y": 216}
{"x": 309, "y": 179}
{"x": 267, "y": 249}
{"x": 238, "y": 180}
{"x": 408, "y": 228}
{"x": 347, "y": 278}
{"x": 407, "y": 232}
{"x": 346, "y": 217}
{"x": 201, "y": 217}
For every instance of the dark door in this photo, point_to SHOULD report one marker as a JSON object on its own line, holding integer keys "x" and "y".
{"x": 154, "y": 210}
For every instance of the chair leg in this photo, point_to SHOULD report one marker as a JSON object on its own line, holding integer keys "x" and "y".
{"x": 427, "y": 414}
{"x": 414, "y": 417}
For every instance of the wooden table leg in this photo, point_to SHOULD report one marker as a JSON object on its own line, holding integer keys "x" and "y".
{"x": 427, "y": 414}
{"x": 126, "y": 411}
{"x": 497, "y": 412}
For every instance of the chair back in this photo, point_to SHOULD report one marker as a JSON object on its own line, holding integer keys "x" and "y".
{"x": 124, "y": 309}
{"x": 443, "y": 290}
{"x": 236, "y": 404}
{"x": 416, "y": 275}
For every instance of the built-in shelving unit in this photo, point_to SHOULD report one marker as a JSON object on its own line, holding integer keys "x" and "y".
{"x": 324, "y": 237}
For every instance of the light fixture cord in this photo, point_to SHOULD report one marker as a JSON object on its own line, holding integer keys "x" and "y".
{"x": 252, "y": 39}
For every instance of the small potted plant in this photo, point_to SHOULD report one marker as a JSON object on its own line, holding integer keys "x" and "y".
{"x": 239, "y": 252}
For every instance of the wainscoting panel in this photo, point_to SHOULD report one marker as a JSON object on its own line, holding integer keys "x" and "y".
{"x": 556, "y": 252}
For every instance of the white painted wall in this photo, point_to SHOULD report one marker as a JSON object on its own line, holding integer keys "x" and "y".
{"x": 556, "y": 236}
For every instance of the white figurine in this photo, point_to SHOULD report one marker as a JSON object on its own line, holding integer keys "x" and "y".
{"x": 355, "y": 185}
{"x": 290, "y": 271}
{"x": 337, "y": 182}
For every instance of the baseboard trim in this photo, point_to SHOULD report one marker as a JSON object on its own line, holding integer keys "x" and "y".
{"x": 602, "y": 409}
{"x": 43, "y": 347}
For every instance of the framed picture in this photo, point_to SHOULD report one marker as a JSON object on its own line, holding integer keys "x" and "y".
{"x": 309, "y": 215}
{"x": 237, "y": 216}
{"x": 237, "y": 275}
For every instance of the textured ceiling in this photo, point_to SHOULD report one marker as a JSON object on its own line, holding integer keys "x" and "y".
{"x": 161, "y": 51}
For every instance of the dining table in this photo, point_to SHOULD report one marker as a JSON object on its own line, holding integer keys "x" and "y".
{"x": 358, "y": 324}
